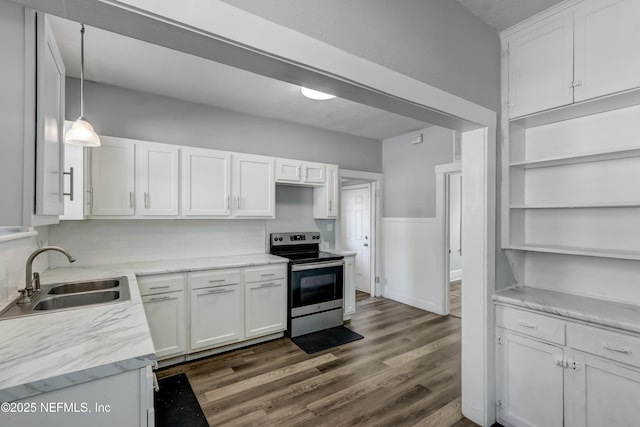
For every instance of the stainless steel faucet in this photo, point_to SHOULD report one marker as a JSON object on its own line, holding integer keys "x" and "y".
{"x": 29, "y": 289}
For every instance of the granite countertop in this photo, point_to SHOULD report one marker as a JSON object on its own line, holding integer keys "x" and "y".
{"x": 45, "y": 352}
{"x": 613, "y": 314}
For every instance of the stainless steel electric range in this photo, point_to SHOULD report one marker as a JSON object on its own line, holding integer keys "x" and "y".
{"x": 315, "y": 286}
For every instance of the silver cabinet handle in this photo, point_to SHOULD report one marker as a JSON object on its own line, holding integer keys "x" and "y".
{"x": 90, "y": 194}
{"x": 625, "y": 350}
{"x": 159, "y": 298}
{"x": 217, "y": 280}
{"x": 528, "y": 325}
{"x": 219, "y": 291}
{"x": 131, "y": 199}
{"x": 269, "y": 285}
{"x": 159, "y": 287}
{"x": 299, "y": 172}
{"x": 228, "y": 197}
{"x": 306, "y": 173}
{"x": 330, "y": 208}
{"x": 267, "y": 274}
{"x": 70, "y": 193}
{"x": 156, "y": 386}
{"x": 146, "y": 200}
{"x": 238, "y": 202}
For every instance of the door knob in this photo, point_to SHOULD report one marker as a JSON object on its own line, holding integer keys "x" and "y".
{"x": 366, "y": 245}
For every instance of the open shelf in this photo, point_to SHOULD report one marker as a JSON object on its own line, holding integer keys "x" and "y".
{"x": 568, "y": 250}
{"x": 630, "y": 204}
{"x": 621, "y": 153}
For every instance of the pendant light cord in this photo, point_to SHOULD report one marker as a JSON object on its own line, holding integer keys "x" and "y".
{"x": 82, "y": 70}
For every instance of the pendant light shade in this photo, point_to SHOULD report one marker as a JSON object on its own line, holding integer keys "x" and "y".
{"x": 82, "y": 133}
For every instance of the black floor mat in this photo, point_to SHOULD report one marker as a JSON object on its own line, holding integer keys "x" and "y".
{"x": 322, "y": 340}
{"x": 176, "y": 404}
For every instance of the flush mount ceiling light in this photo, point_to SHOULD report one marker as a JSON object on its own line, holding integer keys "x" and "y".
{"x": 82, "y": 133}
{"x": 315, "y": 94}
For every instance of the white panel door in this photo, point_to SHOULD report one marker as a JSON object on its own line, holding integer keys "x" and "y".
{"x": 529, "y": 381}
{"x": 254, "y": 186}
{"x": 206, "y": 182}
{"x": 157, "y": 172}
{"x": 541, "y": 66}
{"x": 265, "y": 307}
{"x": 288, "y": 170}
{"x": 607, "y": 58}
{"x": 217, "y": 316}
{"x": 166, "y": 316}
{"x": 600, "y": 392}
{"x": 112, "y": 187}
{"x": 349, "y": 285}
{"x": 49, "y": 122}
{"x": 356, "y": 220}
{"x": 314, "y": 173}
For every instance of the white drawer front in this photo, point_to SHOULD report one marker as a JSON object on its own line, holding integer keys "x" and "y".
{"x": 535, "y": 325}
{"x": 258, "y": 274}
{"x": 611, "y": 345}
{"x": 211, "y": 278}
{"x": 159, "y": 284}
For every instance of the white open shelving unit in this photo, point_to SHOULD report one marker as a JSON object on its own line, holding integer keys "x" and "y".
{"x": 573, "y": 190}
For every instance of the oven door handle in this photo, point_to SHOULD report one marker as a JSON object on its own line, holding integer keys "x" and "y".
{"x": 316, "y": 265}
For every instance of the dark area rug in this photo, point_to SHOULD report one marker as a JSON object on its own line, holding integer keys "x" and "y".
{"x": 322, "y": 340}
{"x": 176, "y": 404}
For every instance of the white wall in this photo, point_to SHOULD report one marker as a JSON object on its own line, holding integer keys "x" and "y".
{"x": 13, "y": 257}
{"x": 410, "y": 262}
{"x": 455, "y": 218}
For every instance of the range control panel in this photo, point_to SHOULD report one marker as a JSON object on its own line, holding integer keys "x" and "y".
{"x": 279, "y": 239}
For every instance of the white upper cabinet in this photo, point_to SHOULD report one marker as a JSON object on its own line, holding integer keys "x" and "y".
{"x": 206, "y": 182}
{"x": 157, "y": 172}
{"x": 112, "y": 182}
{"x": 254, "y": 187}
{"x": 290, "y": 171}
{"x": 540, "y": 66}
{"x": 326, "y": 198}
{"x": 50, "y": 76}
{"x": 607, "y": 56}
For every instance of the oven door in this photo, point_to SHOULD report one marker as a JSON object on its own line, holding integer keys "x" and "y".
{"x": 316, "y": 287}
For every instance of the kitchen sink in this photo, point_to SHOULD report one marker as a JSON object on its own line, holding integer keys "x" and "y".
{"x": 77, "y": 300}
{"x": 66, "y": 296}
{"x": 73, "y": 288}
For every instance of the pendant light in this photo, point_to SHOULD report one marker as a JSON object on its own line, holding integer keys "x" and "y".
{"x": 82, "y": 133}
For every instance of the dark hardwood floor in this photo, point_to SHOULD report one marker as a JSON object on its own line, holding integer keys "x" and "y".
{"x": 405, "y": 372}
{"x": 455, "y": 299}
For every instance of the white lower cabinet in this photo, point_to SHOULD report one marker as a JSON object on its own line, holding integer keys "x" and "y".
{"x": 216, "y": 316}
{"x": 166, "y": 316}
{"x": 265, "y": 305}
{"x": 349, "y": 285}
{"x": 125, "y": 399}
{"x": 529, "y": 381}
{"x": 592, "y": 380}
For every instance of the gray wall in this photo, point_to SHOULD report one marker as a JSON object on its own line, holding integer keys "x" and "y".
{"x": 115, "y": 111}
{"x": 409, "y": 172}
{"x": 12, "y": 86}
{"x": 439, "y": 42}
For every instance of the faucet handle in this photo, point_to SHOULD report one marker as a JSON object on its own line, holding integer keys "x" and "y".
{"x": 25, "y": 298}
{"x": 36, "y": 280}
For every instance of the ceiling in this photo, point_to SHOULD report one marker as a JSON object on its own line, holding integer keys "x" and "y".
{"x": 133, "y": 64}
{"x": 502, "y": 14}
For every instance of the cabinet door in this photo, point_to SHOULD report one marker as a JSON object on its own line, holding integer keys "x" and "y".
{"x": 73, "y": 181}
{"x": 529, "y": 381}
{"x": 349, "y": 285}
{"x": 216, "y": 316}
{"x": 540, "y": 67}
{"x": 206, "y": 182}
{"x": 265, "y": 308}
{"x": 288, "y": 170}
{"x": 167, "y": 322}
{"x": 326, "y": 198}
{"x": 254, "y": 186}
{"x": 50, "y": 77}
{"x": 314, "y": 173}
{"x": 112, "y": 177}
{"x": 607, "y": 39}
{"x": 157, "y": 174}
{"x": 600, "y": 392}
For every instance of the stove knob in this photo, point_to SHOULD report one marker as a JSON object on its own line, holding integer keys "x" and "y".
{"x": 281, "y": 239}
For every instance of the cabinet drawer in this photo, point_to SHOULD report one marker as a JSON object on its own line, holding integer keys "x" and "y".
{"x": 158, "y": 284}
{"x": 257, "y": 274}
{"x": 611, "y": 345}
{"x": 211, "y": 278}
{"x": 535, "y": 325}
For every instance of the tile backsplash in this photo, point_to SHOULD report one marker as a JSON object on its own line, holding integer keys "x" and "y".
{"x": 95, "y": 242}
{"x": 13, "y": 257}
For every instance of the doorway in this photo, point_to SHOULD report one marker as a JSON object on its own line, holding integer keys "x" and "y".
{"x": 454, "y": 215}
{"x": 356, "y": 230}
